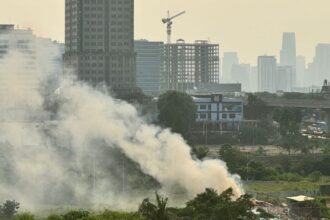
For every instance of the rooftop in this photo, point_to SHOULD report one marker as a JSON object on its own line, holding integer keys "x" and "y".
{"x": 7, "y": 27}
{"x": 300, "y": 198}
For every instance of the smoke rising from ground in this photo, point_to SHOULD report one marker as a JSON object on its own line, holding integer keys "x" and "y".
{"x": 97, "y": 152}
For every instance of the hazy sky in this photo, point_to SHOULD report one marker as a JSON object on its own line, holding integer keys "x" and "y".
{"x": 250, "y": 27}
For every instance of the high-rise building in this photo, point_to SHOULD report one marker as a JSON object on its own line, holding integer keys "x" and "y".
{"x": 25, "y": 61}
{"x": 284, "y": 78}
{"x": 321, "y": 63}
{"x": 229, "y": 59}
{"x": 267, "y": 71}
{"x": 241, "y": 74}
{"x": 149, "y": 65}
{"x": 288, "y": 53}
{"x": 187, "y": 66}
{"x": 302, "y": 79}
{"x": 18, "y": 45}
{"x": 254, "y": 79}
{"x": 99, "y": 42}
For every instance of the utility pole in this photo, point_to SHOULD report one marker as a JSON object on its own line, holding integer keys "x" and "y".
{"x": 123, "y": 175}
{"x": 94, "y": 176}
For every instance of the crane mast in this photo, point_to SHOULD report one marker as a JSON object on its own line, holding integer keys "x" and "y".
{"x": 168, "y": 21}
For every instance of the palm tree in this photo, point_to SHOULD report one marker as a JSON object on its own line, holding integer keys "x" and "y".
{"x": 154, "y": 212}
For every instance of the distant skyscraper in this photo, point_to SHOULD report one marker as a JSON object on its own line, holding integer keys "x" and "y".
{"x": 241, "y": 74}
{"x": 188, "y": 66}
{"x": 284, "y": 78}
{"x": 149, "y": 65}
{"x": 322, "y": 63}
{"x": 267, "y": 71}
{"x": 254, "y": 79}
{"x": 288, "y": 53}
{"x": 229, "y": 59}
{"x": 302, "y": 79}
{"x": 99, "y": 42}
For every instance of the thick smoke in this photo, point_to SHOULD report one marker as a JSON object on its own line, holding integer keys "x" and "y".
{"x": 96, "y": 151}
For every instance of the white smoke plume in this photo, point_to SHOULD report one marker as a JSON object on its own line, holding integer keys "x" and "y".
{"x": 98, "y": 151}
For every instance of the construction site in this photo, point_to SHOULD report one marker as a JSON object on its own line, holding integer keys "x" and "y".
{"x": 188, "y": 65}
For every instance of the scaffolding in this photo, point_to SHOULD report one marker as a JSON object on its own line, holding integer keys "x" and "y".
{"x": 187, "y": 66}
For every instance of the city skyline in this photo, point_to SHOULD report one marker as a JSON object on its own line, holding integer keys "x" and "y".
{"x": 261, "y": 36}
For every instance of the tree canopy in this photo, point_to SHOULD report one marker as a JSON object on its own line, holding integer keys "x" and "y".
{"x": 207, "y": 205}
{"x": 177, "y": 111}
{"x": 289, "y": 120}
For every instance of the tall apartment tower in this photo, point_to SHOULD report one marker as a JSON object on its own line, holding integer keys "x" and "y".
{"x": 99, "y": 42}
{"x": 267, "y": 74}
{"x": 288, "y": 53}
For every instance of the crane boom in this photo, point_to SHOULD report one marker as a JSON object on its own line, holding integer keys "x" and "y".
{"x": 169, "y": 23}
{"x": 181, "y": 13}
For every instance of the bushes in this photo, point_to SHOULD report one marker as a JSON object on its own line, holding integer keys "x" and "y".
{"x": 315, "y": 176}
{"x": 24, "y": 216}
{"x": 75, "y": 214}
{"x": 85, "y": 215}
{"x": 290, "y": 177}
{"x": 9, "y": 209}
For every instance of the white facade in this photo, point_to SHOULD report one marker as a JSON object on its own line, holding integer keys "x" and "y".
{"x": 215, "y": 108}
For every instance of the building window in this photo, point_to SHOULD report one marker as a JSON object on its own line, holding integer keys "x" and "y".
{"x": 202, "y": 107}
{"x": 224, "y": 116}
{"x": 202, "y": 116}
{"x": 232, "y": 116}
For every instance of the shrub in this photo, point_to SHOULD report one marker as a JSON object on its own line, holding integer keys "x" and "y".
{"x": 75, "y": 215}
{"x": 24, "y": 216}
{"x": 315, "y": 176}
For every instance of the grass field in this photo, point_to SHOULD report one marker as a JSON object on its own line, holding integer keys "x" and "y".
{"x": 283, "y": 186}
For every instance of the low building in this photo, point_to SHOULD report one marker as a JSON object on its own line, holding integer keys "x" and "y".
{"x": 304, "y": 207}
{"x": 216, "y": 109}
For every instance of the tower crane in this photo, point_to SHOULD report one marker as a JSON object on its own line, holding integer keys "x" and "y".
{"x": 169, "y": 23}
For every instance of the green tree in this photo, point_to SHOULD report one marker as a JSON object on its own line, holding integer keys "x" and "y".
{"x": 9, "y": 209}
{"x": 151, "y": 211}
{"x": 177, "y": 111}
{"x": 289, "y": 120}
{"x": 200, "y": 152}
{"x": 234, "y": 158}
{"x": 212, "y": 206}
{"x": 256, "y": 109}
{"x": 315, "y": 176}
